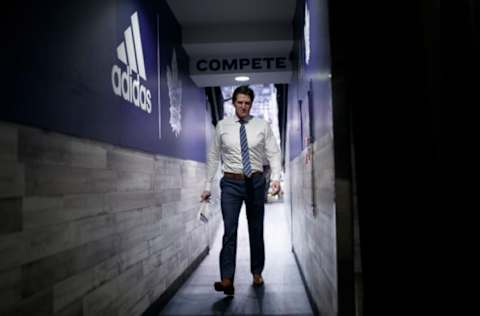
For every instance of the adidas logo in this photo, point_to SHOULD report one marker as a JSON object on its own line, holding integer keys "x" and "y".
{"x": 124, "y": 82}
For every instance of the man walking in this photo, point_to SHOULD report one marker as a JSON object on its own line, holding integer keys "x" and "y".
{"x": 243, "y": 142}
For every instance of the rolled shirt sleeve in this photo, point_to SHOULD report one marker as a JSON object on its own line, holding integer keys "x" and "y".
{"x": 213, "y": 158}
{"x": 272, "y": 152}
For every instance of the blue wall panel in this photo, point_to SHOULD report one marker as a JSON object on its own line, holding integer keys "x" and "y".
{"x": 59, "y": 60}
{"x": 312, "y": 82}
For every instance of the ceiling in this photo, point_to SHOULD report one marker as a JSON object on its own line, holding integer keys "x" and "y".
{"x": 236, "y": 28}
{"x": 217, "y": 12}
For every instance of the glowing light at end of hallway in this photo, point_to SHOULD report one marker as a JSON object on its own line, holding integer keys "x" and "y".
{"x": 242, "y": 78}
{"x": 306, "y": 34}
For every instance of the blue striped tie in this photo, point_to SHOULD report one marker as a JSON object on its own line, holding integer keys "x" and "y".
{"x": 247, "y": 167}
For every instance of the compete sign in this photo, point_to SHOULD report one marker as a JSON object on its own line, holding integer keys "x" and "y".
{"x": 239, "y": 64}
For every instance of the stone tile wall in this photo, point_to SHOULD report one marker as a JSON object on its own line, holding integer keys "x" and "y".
{"x": 312, "y": 198}
{"x": 92, "y": 229}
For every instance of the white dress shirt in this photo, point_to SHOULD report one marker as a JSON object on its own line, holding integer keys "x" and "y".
{"x": 261, "y": 144}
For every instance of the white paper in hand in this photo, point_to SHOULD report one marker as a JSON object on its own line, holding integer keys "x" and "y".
{"x": 203, "y": 212}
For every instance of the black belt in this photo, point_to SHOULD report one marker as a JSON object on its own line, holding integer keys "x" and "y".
{"x": 240, "y": 176}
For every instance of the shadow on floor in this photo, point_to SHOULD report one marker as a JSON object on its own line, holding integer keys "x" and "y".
{"x": 283, "y": 292}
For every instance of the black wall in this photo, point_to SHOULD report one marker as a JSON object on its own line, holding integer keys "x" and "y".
{"x": 386, "y": 69}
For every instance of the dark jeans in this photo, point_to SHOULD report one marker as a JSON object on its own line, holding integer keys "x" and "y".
{"x": 234, "y": 193}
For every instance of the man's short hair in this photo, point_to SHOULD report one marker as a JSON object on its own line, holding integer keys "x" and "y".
{"x": 243, "y": 90}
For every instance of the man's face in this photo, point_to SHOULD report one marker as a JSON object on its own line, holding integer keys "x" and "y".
{"x": 242, "y": 105}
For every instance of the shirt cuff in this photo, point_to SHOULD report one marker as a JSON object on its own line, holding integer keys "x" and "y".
{"x": 208, "y": 186}
{"x": 275, "y": 177}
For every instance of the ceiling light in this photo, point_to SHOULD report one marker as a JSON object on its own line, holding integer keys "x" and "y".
{"x": 242, "y": 78}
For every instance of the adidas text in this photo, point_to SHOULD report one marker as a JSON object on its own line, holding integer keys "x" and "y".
{"x": 130, "y": 88}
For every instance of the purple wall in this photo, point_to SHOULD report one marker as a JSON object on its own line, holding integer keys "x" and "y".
{"x": 311, "y": 85}
{"x": 60, "y": 65}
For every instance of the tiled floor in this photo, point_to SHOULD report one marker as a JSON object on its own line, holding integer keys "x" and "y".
{"x": 282, "y": 294}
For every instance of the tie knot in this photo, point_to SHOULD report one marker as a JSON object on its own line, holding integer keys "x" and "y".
{"x": 242, "y": 121}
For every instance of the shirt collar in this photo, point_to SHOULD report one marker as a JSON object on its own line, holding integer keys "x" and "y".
{"x": 246, "y": 119}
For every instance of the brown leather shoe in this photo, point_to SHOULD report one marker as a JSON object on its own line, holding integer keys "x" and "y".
{"x": 257, "y": 280}
{"x": 225, "y": 286}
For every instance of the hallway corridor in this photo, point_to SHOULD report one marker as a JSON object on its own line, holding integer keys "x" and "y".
{"x": 282, "y": 294}
{"x": 112, "y": 109}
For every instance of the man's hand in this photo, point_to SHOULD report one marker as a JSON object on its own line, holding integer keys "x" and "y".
{"x": 205, "y": 196}
{"x": 275, "y": 187}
